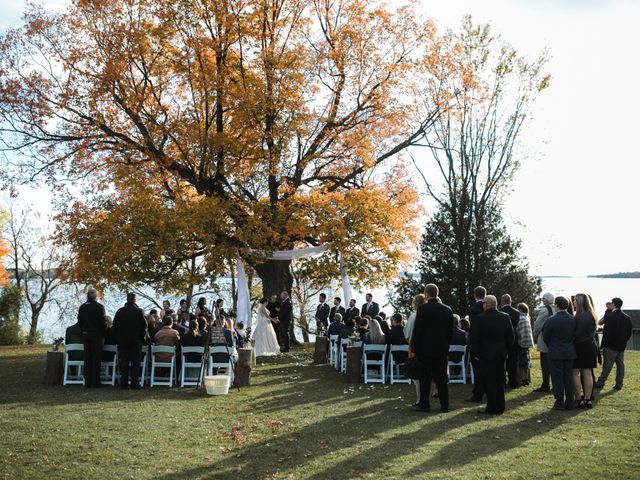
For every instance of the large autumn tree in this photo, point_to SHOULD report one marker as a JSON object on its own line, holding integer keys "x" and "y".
{"x": 245, "y": 127}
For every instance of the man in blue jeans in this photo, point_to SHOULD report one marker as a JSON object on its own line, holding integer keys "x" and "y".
{"x": 617, "y": 331}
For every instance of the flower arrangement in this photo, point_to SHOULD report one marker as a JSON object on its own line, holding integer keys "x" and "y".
{"x": 56, "y": 343}
{"x": 354, "y": 337}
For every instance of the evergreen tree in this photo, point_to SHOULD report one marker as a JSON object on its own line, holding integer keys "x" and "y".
{"x": 10, "y": 331}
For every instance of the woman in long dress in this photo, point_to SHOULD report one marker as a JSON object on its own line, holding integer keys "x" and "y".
{"x": 264, "y": 334}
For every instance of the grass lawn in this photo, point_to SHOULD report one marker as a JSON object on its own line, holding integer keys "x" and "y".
{"x": 298, "y": 420}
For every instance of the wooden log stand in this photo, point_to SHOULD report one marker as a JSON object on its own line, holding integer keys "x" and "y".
{"x": 322, "y": 348}
{"x": 354, "y": 365}
{"x": 55, "y": 368}
{"x": 242, "y": 373}
{"x": 253, "y": 352}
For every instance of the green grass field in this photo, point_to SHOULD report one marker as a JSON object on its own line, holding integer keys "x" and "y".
{"x": 299, "y": 420}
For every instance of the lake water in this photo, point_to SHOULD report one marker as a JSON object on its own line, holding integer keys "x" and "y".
{"x": 601, "y": 290}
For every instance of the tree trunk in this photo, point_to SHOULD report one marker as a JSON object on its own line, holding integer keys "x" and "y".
{"x": 276, "y": 278}
{"x": 33, "y": 329}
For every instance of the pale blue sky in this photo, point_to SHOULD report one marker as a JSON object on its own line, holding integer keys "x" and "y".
{"x": 575, "y": 198}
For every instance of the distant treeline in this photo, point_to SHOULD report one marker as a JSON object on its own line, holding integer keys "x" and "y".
{"x": 618, "y": 275}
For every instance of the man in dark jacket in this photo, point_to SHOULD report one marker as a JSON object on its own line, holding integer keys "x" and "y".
{"x": 512, "y": 359}
{"x": 432, "y": 333}
{"x": 129, "y": 328}
{"x": 491, "y": 339}
{"x": 370, "y": 308}
{"x": 617, "y": 331}
{"x": 395, "y": 336}
{"x": 351, "y": 312}
{"x": 73, "y": 335}
{"x": 558, "y": 334}
{"x": 337, "y": 308}
{"x": 322, "y": 314}
{"x": 459, "y": 338}
{"x": 285, "y": 315}
{"x": 91, "y": 318}
{"x": 475, "y": 311}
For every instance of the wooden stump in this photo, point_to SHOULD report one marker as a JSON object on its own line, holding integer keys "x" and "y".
{"x": 55, "y": 368}
{"x": 253, "y": 352}
{"x": 242, "y": 373}
{"x": 354, "y": 365}
{"x": 322, "y": 348}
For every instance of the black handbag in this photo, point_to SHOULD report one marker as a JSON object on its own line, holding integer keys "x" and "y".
{"x": 412, "y": 368}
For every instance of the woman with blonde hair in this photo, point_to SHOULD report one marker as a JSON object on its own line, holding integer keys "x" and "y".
{"x": 586, "y": 350}
{"x": 418, "y": 301}
{"x": 375, "y": 335}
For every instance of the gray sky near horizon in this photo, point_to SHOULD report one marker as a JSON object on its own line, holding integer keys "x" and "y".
{"x": 574, "y": 199}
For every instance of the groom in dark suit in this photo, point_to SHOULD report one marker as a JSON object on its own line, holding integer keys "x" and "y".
{"x": 370, "y": 308}
{"x": 337, "y": 308}
{"x": 322, "y": 314}
{"x": 285, "y": 315}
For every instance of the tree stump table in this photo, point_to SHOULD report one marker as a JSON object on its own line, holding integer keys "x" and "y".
{"x": 253, "y": 352}
{"x": 354, "y": 365}
{"x": 322, "y": 348}
{"x": 55, "y": 368}
{"x": 242, "y": 373}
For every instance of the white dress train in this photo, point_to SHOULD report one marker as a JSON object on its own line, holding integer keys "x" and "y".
{"x": 265, "y": 337}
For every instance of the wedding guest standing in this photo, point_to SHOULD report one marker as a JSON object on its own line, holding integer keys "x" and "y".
{"x": 352, "y": 311}
{"x": 558, "y": 335}
{"x": 166, "y": 308}
{"x": 337, "y": 308}
{"x": 285, "y": 315}
{"x": 617, "y": 331}
{"x": 322, "y": 314}
{"x": 491, "y": 339}
{"x": 201, "y": 309}
{"x": 512, "y": 359}
{"x": 586, "y": 351}
{"x": 184, "y": 316}
{"x": 418, "y": 301}
{"x": 129, "y": 328}
{"x": 370, "y": 308}
{"x": 475, "y": 311}
{"x": 91, "y": 318}
{"x": 432, "y": 334}
{"x": 543, "y": 314}
{"x": 524, "y": 339}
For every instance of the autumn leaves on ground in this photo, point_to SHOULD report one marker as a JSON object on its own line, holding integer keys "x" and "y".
{"x": 298, "y": 420}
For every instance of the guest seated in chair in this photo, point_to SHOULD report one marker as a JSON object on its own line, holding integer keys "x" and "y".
{"x": 396, "y": 337}
{"x": 336, "y": 325}
{"x": 167, "y": 337}
{"x": 459, "y": 338}
{"x": 362, "y": 326}
{"x": 73, "y": 335}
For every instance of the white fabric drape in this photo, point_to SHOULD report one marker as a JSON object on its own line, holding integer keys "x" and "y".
{"x": 244, "y": 300}
{"x": 347, "y": 293}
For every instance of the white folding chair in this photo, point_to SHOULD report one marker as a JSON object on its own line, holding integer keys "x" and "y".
{"x": 461, "y": 376}
{"x": 368, "y": 362}
{"x": 344, "y": 343}
{"x": 109, "y": 369}
{"x": 69, "y": 378}
{"x": 394, "y": 368}
{"x": 185, "y": 378}
{"x": 333, "y": 350}
{"x": 143, "y": 364}
{"x": 226, "y": 366}
{"x": 171, "y": 365}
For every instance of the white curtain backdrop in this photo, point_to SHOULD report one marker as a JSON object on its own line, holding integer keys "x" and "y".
{"x": 244, "y": 300}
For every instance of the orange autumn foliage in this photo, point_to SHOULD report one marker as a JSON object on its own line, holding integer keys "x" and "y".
{"x": 4, "y": 251}
{"x": 216, "y": 127}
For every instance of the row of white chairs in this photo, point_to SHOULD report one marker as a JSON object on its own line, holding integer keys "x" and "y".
{"x": 191, "y": 373}
{"x": 375, "y": 363}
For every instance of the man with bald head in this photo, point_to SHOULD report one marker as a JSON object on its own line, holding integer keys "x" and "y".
{"x": 492, "y": 339}
{"x": 512, "y": 359}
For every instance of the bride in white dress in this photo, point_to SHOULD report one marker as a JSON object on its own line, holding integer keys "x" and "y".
{"x": 264, "y": 334}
